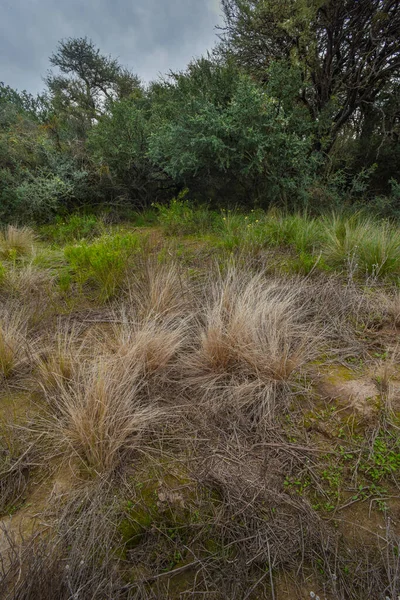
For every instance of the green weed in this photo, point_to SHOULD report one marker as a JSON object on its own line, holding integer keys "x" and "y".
{"x": 103, "y": 264}
{"x": 72, "y": 229}
{"x": 180, "y": 217}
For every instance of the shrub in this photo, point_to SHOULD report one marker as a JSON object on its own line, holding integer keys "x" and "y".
{"x": 39, "y": 198}
{"x": 104, "y": 263}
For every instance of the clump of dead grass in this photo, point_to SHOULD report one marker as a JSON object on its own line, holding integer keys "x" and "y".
{"x": 158, "y": 289}
{"x": 18, "y": 452}
{"x": 16, "y": 242}
{"x": 58, "y": 363}
{"x": 33, "y": 289}
{"x": 99, "y": 416}
{"x": 254, "y": 336}
{"x": 152, "y": 345}
{"x": 255, "y": 327}
{"x": 15, "y": 355}
{"x": 391, "y": 306}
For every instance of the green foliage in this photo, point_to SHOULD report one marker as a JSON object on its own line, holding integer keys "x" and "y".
{"x": 364, "y": 245}
{"x": 103, "y": 265}
{"x": 384, "y": 460}
{"x": 119, "y": 146}
{"x": 86, "y": 81}
{"x": 180, "y": 217}
{"x": 241, "y": 138}
{"x": 339, "y": 60}
{"x": 73, "y": 228}
{"x": 38, "y": 199}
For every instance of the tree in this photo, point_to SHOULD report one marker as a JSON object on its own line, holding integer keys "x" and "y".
{"x": 348, "y": 51}
{"x": 118, "y": 145}
{"x": 88, "y": 81}
{"x": 228, "y": 138}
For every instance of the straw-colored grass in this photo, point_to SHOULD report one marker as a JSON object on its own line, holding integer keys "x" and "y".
{"x": 254, "y": 327}
{"x": 100, "y": 414}
{"x": 14, "y": 353}
{"x": 16, "y": 242}
{"x": 158, "y": 289}
{"x": 150, "y": 346}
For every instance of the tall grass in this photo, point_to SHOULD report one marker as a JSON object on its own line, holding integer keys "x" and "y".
{"x": 99, "y": 416}
{"x": 363, "y": 244}
{"x": 16, "y": 242}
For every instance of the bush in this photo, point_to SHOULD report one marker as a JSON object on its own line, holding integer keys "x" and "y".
{"x": 104, "y": 263}
{"x": 230, "y": 139}
{"x": 39, "y": 198}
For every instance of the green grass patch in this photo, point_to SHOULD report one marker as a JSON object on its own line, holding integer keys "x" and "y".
{"x": 103, "y": 264}
{"x": 181, "y": 217}
{"x": 72, "y": 229}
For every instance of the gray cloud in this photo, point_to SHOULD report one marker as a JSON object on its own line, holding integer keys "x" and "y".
{"x": 149, "y": 36}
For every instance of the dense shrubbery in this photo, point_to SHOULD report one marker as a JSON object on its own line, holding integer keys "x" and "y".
{"x": 262, "y": 121}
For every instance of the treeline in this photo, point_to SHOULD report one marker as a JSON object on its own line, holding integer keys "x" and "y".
{"x": 298, "y": 105}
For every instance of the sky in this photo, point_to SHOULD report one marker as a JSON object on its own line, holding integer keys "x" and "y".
{"x": 148, "y": 36}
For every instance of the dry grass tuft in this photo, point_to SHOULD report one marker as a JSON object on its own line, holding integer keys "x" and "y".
{"x": 253, "y": 327}
{"x": 150, "y": 346}
{"x": 254, "y": 335}
{"x": 100, "y": 414}
{"x": 391, "y": 304}
{"x": 16, "y": 241}
{"x": 14, "y": 353}
{"x": 158, "y": 289}
{"x": 33, "y": 289}
{"x": 27, "y": 281}
{"x": 57, "y": 365}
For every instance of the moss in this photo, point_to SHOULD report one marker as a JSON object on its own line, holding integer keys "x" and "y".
{"x": 339, "y": 373}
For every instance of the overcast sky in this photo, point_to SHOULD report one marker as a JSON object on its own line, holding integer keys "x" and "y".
{"x": 149, "y": 36}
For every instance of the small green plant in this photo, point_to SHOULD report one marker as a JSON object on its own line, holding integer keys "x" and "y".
{"x": 104, "y": 263}
{"x": 384, "y": 460}
{"x": 180, "y": 217}
{"x": 73, "y": 228}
